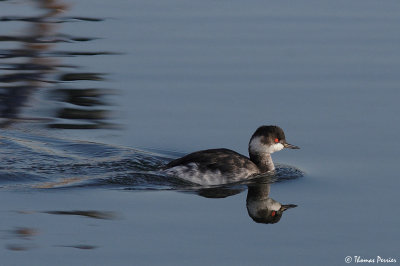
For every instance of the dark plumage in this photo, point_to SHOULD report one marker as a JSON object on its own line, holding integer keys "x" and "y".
{"x": 224, "y": 160}
{"x": 268, "y": 134}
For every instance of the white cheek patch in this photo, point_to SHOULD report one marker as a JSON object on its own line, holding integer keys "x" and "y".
{"x": 276, "y": 147}
{"x": 258, "y": 147}
{"x": 273, "y": 205}
{"x": 255, "y": 206}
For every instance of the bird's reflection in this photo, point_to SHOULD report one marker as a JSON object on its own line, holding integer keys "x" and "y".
{"x": 260, "y": 207}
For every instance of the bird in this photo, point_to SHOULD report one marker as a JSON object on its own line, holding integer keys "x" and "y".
{"x": 223, "y": 166}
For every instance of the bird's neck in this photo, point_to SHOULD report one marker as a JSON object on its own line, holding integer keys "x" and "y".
{"x": 263, "y": 161}
{"x": 257, "y": 192}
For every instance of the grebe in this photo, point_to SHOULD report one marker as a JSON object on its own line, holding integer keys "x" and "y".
{"x": 221, "y": 166}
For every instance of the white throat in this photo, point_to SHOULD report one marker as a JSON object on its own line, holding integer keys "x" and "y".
{"x": 256, "y": 146}
{"x": 259, "y": 205}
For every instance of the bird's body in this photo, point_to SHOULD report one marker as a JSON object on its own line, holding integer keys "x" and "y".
{"x": 221, "y": 166}
{"x": 212, "y": 167}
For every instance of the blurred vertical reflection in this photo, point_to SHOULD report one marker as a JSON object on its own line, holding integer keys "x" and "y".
{"x": 33, "y": 64}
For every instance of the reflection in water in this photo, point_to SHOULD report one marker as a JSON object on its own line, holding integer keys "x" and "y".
{"x": 220, "y": 192}
{"x": 89, "y": 214}
{"x": 19, "y": 247}
{"x": 262, "y": 208}
{"x": 80, "y": 247}
{"x": 25, "y": 232}
{"x": 32, "y": 65}
{"x": 23, "y": 239}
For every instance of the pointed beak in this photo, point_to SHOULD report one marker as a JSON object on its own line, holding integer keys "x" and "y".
{"x": 288, "y": 206}
{"x": 290, "y": 146}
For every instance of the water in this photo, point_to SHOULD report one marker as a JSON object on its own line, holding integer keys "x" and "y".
{"x": 121, "y": 88}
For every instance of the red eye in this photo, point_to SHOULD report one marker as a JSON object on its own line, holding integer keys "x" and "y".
{"x": 273, "y": 213}
{"x": 276, "y": 140}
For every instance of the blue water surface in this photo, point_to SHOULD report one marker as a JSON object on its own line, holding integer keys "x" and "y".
{"x": 97, "y": 95}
